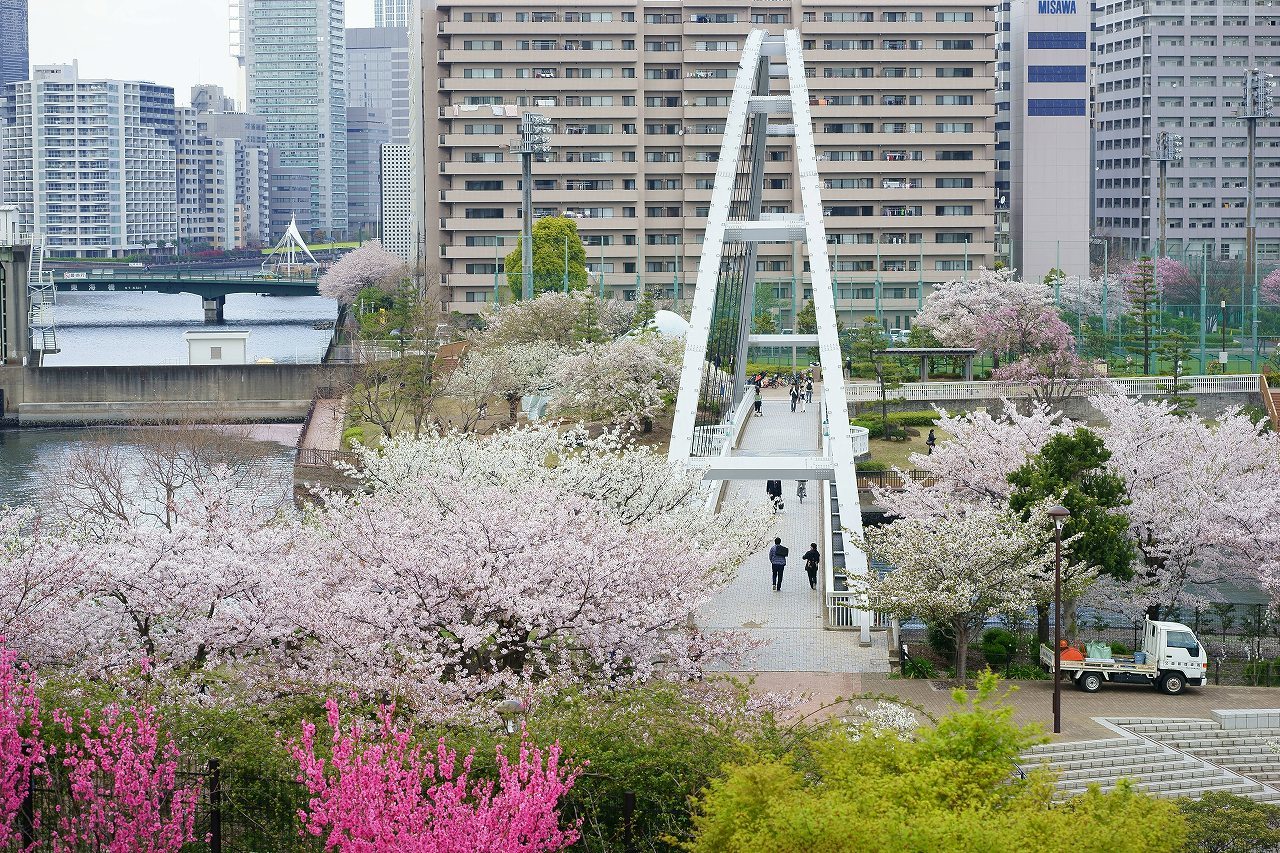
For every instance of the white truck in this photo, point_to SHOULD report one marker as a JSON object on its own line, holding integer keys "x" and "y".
{"x": 1170, "y": 658}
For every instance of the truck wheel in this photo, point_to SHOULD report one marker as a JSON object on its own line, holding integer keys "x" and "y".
{"x": 1089, "y": 682}
{"x": 1172, "y": 683}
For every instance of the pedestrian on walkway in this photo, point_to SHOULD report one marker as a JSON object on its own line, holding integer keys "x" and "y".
{"x": 802, "y": 489}
{"x": 848, "y": 367}
{"x": 808, "y": 390}
{"x": 930, "y": 442}
{"x": 811, "y": 558}
{"x": 773, "y": 488}
{"x": 795, "y": 396}
{"x": 759, "y": 401}
{"x": 778, "y": 562}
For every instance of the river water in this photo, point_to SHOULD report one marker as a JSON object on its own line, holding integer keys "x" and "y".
{"x": 146, "y": 328}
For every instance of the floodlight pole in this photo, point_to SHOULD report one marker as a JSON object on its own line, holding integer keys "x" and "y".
{"x": 534, "y": 128}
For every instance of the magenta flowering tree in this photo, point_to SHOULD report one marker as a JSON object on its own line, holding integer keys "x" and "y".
{"x": 1172, "y": 279}
{"x": 1269, "y": 290}
{"x": 1052, "y": 375}
{"x": 1023, "y": 328}
{"x": 380, "y": 792}
{"x": 368, "y": 266}
{"x": 21, "y": 750}
{"x": 123, "y": 781}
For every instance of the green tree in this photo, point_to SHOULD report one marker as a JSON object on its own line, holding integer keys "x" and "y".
{"x": 868, "y": 348}
{"x": 1175, "y": 351}
{"x": 1144, "y": 297}
{"x": 1219, "y": 822}
{"x": 550, "y": 236}
{"x": 764, "y": 324}
{"x": 1071, "y": 469}
{"x": 952, "y": 787}
{"x": 645, "y": 309}
{"x": 807, "y": 320}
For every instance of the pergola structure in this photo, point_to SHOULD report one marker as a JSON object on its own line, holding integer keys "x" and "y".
{"x": 770, "y": 102}
{"x": 925, "y": 353}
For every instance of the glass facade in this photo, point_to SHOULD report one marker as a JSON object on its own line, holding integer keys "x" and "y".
{"x": 14, "y": 57}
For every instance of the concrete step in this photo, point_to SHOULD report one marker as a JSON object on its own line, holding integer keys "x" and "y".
{"x": 1106, "y": 761}
{"x": 1226, "y": 739}
{"x": 1055, "y": 749}
{"x": 1151, "y": 773}
{"x": 1192, "y": 787}
{"x": 1154, "y": 728}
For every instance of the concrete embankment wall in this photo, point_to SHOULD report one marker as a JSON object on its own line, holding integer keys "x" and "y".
{"x": 1077, "y": 408}
{"x": 155, "y": 393}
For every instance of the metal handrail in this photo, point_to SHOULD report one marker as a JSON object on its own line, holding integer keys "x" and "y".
{"x": 1240, "y": 383}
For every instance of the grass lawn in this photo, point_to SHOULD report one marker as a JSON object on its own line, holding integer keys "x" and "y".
{"x": 897, "y": 453}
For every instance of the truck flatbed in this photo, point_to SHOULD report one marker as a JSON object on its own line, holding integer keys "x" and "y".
{"x": 1121, "y": 663}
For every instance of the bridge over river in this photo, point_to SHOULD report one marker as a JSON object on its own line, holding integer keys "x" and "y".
{"x": 211, "y": 287}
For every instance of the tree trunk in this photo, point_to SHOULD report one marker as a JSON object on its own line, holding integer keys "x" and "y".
{"x": 1042, "y": 623}
{"x": 962, "y": 650}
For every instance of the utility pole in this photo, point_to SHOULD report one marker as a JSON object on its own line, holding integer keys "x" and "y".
{"x": 534, "y": 139}
{"x": 1167, "y": 147}
{"x": 1256, "y": 105}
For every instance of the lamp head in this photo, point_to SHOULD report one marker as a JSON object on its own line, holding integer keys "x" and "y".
{"x": 1059, "y": 514}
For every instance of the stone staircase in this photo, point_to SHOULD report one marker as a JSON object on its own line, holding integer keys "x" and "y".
{"x": 1149, "y": 755}
{"x": 1236, "y": 741}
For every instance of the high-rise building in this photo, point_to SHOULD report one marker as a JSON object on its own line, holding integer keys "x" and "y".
{"x": 393, "y": 13}
{"x": 378, "y": 76}
{"x": 1044, "y": 149}
{"x": 208, "y": 98}
{"x": 15, "y": 60}
{"x": 294, "y": 54}
{"x": 636, "y": 93}
{"x": 223, "y": 183}
{"x": 1180, "y": 68}
{"x": 366, "y": 134}
{"x": 91, "y": 163}
{"x": 397, "y": 201}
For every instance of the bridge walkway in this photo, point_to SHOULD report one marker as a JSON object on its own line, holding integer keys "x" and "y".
{"x": 787, "y": 625}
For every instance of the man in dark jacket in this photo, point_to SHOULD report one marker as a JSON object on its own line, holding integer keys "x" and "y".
{"x": 773, "y": 488}
{"x": 778, "y": 561}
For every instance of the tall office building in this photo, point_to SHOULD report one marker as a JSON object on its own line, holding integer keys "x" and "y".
{"x": 1044, "y": 148}
{"x": 393, "y": 13}
{"x": 397, "y": 201}
{"x": 378, "y": 76}
{"x": 91, "y": 163}
{"x": 366, "y": 134}
{"x": 904, "y": 115}
{"x": 1181, "y": 68}
{"x": 294, "y": 54}
{"x": 15, "y": 60}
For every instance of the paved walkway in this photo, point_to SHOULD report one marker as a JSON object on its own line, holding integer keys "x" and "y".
{"x": 787, "y": 624}
{"x": 324, "y": 432}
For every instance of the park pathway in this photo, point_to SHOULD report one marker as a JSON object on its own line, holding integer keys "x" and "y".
{"x": 787, "y": 625}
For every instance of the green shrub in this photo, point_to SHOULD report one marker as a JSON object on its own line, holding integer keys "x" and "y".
{"x": 919, "y": 668}
{"x": 999, "y": 646}
{"x": 872, "y": 466}
{"x": 942, "y": 641}
{"x": 1225, "y": 823}
{"x": 921, "y": 418}
{"x": 1026, "y": 671}
{"x": 1263, "y": 673}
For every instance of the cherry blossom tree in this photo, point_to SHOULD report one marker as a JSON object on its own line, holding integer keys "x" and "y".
{"x": 21, "y": 750}
{"x": 1082, "y": 296}
{"x": 1269, "y": 290}
{"x": 955, "y": 310}
{"x": 123, "y": 778}
{"x": 1173, "y": 279}
{"x": 959, "y": 570}
{"x": 1203, "y": 507}
{"x": 381, "y": 792}
{"x": 368, "y": 266}
{"x": 505, "y": 371}
{"x": 1051, "y": 375}
{"x": 557, "y": 318}
{"x": 1021, "y": 329}
{"x": 451, "y": 593}
{"x": 970, "y": 470}
{"x": 624, "y": 382}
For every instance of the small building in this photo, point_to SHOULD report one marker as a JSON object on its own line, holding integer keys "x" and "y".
{"x": 224, "y": 346}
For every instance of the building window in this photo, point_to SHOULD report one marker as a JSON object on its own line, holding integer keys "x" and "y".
{"x": 1055, "y": 107}
{"x": 1056, "y": 41}
{"x": 215, "y": 353}
{"x": 1055, "y": 74}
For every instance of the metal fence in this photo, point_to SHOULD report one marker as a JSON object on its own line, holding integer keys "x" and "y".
{"x": 1243, "y": 383}
{"x": 310, "y": 457}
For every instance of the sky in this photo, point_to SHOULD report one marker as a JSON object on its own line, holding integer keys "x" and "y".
{"x": 174, "y": 43}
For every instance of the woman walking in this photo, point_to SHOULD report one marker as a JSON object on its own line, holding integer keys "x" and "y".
{"x": 811, "y": 558}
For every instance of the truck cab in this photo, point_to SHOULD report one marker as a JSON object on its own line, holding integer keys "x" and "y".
{"x": 1175, "y": 650}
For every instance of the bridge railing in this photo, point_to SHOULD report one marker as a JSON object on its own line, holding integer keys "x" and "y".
{"x": 1241, "y": 383}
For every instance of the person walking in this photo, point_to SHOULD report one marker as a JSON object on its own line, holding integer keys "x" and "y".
{"x": 802, "y": 490}
{"x": 778, "y": 562}
{"x": 773, "y": 488}
{"x": 811, "y": 558}
{"x": 848, "y": 367}
{"x": 795, "y": 396}
{"x": 930, "y": 442}
{"x": 759, "y": 401}
{"x": 808, "y": 390}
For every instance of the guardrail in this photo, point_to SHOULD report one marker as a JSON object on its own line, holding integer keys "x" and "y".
{"x": 730, "y": 440}
{"x": 868, "y": 480}
{"x": 310, "y": 457}
{"x": 1241, "y": 383}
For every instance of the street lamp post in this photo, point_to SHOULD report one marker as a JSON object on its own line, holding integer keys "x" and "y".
{"x": 534, "y": 139}
{"x": 1256, "y": 105}
{"x": 1059, "y": 514}
{"x": 1167, "y": 147}
{"x": 1222, "y": 324}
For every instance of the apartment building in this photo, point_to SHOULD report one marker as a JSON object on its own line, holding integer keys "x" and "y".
{"x": 90, "y": 163}
{"x": 294, "y": 56}
{"x": 396, "y": 184}
{"x": 1180, "y": 67}
{"x": 637, "y": 92}
{"x": 222, "y": 180}
{"x": 394, "y": 13}
{"x": 1044, "y": 140}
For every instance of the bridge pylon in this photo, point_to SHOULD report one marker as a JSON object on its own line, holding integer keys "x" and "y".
{"x": 770, "y": 102}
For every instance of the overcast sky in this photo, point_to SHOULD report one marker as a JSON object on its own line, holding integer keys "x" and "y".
{"x": 175, "y": 43}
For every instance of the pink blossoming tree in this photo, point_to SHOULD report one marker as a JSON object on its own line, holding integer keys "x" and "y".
{"x": 380, "y": 792}
{"x": 125, "y": 793}
{"x": 368, "y": 266}
{"x": 21, "y": 750}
